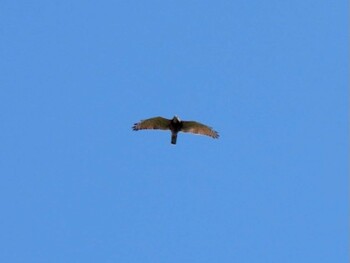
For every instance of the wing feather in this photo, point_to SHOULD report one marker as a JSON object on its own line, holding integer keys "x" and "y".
{"x": 157, "y": 123}
{"x": 199, "y": 128}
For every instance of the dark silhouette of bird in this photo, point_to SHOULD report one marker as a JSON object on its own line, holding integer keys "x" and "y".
{"x": 175, "y": 125}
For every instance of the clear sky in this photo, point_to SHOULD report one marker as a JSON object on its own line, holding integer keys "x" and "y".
{"x": 78, "y": 185}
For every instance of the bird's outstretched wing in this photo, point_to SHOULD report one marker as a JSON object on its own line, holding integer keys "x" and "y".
{"x": 158, "y": 123}
{"x": 199, "y": 128}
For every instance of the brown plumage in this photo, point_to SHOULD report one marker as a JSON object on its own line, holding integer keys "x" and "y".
{"x": 175, "y": 125}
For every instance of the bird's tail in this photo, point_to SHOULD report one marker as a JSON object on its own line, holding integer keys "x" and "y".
{"x": 173, "y": 138}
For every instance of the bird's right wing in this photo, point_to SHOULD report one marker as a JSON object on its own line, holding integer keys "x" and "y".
{"x": 158, "y": 123}
{"x": 199, "y": 128}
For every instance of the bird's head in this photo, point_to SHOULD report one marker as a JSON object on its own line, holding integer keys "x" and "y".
{"x": 176, "y": 119}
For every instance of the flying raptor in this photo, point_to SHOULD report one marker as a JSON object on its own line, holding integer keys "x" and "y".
{"x": 175, "y": 125}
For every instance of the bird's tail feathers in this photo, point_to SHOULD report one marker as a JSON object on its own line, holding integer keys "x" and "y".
{"x": 173, "y": 138}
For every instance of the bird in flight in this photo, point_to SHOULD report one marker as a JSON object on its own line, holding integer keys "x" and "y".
{"x": 175, "y": 125}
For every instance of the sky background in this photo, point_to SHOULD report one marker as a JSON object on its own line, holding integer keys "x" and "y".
{"x": 78, "y": 185}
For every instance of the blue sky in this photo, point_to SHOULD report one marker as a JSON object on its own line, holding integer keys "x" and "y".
{"x": 78, "y": 185}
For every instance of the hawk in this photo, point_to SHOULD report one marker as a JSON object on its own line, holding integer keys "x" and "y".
{"x": 175, "y": 125}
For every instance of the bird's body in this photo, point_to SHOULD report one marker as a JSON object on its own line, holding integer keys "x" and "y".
{"x": 175, "y": 125}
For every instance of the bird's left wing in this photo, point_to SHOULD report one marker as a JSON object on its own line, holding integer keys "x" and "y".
{"x": 158, "y": 123}
{"x": 199, "y": 128}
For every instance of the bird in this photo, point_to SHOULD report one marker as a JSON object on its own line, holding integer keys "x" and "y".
{"x": 175, "y": 125}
